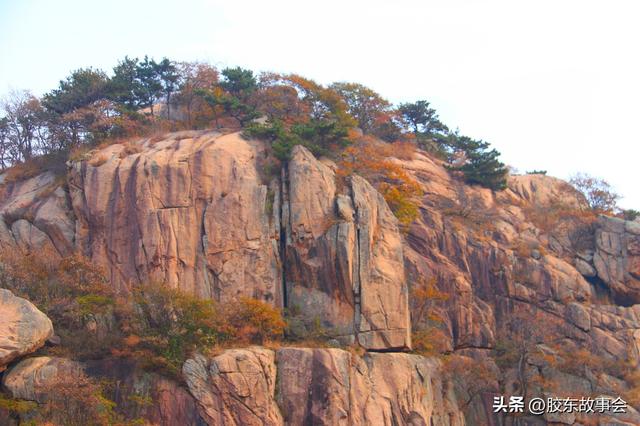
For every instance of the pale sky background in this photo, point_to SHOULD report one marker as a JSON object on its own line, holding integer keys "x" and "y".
{"x": 553, "y": 85}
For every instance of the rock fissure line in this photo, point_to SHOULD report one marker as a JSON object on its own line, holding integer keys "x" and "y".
{"x": 283, "y": 223}
{"x": 357, "y": 288}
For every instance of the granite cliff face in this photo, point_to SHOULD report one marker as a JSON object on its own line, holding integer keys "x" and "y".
{"x": 192, "y": 211}
{"x": 198, "y": 211}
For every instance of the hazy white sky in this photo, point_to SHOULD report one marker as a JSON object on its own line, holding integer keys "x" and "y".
{"x": 554, "y": 85}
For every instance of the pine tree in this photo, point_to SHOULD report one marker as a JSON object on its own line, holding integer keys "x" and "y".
{"x": 481, "y": 165}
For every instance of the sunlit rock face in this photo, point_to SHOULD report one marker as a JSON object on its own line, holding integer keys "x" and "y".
{"x": 343, "y": 256}
{"x": 23, "y": 328}
{"x": 192, "y": 210}
{"x": 197, "y": 211}
{"x": 617, "y": 257}
{"x": 300, "y": 386}
{"x": 188, "y": 210}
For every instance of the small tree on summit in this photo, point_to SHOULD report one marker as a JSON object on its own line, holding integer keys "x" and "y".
{"x": 239, "y": 86}
{"x": 150, "y": 87}
{"x": 124, "y": 86}
{"x": 422, "y": 119}
{"x": 239, "y": 82}
{"x": 480, "y": 165}
{"x": 169, "y": 79}
{"x": 598, "y": 192}
{"x": 80, "y": 89}
{"x": 365, "y": 105}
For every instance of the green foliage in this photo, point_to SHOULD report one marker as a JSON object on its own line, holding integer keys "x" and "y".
{"x": 94, "y": 303}
{"x": 630, "y": 214}
{"x": 233, "y": 106}
{"x": 81, "y": 88}
{"x": 89, "y": 107}
{"x": 124, "y": 86}
{"x": 238, "y": 82}
{"x": 402, "y": 204}
{"x": 16, "y": 406}
{"x": 370, "y": 110}
{"x": 422, "y": 119}
{"x": 238, "y": 85}
{"x": 148, "y": 86}
{"x": 171, "y": 324}
{"x": 320, "y": 136}
{"x": 480, "y": 165}
{"x": 537, "y": 172}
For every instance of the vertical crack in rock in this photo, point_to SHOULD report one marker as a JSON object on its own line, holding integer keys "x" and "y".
{"x": 357, "y": 273}
{"x": 284, "y": 212}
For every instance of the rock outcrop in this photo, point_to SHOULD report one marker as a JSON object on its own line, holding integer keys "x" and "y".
{"x": 144, "y": 395}
{"x": 196, "y": 211}
{"x": 34, "y": 378}
{"x": 617, "y": 257}
{"x": 343, "y": 256}
{"x": 235, "y": 388}
{"x": 35, "y": 214}
{"x": 300, "y": 386}
{"x": 23, "y": 328}
{"x": 189, "y": 211}
{"x": 192, "y": 211}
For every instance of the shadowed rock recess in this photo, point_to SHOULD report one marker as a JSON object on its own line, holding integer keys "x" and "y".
{"x": 198, "y": 211}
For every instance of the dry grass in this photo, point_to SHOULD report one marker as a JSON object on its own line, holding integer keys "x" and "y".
{"x": 22, "y": 171}
{"x": 130, "y": 148}
{"x": 548, "y": 218}
{"x": 98, "y": 160}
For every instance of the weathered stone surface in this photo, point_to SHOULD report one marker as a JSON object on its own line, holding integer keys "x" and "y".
{"x": 35, "y": 213}
{"x": 189, "y": 211}
{"x": 585, "y": 268}
{"x": 617, "y": 257}
{"x": 33, "y": 378}
{"x": 344, "y": 261}
{"x": 169, "y": 403}
{"x": 544, "y": 190}
{"x": 579, "y": 316}
{"x": 334, "y": 387}
{"x": 23, "y": 328}
{"x": 380, "y": 283}
{"x": 320, "y": 387}
{"x": 236, "y": 388}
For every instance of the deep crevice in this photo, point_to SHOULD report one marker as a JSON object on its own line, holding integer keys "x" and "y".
{"x": 284, "y": 221}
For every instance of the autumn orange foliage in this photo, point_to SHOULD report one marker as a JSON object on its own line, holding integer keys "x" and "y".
{"x": 373, "y": 160}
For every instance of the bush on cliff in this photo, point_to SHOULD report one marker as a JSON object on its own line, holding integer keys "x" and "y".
{"x": 373, "y": 160}
{"x": 71, "y": 291}
{"x": 155, "y": 324}
{"x": 597, "y": 192}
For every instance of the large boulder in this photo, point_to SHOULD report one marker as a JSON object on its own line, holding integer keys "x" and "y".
{"x": 23, "y": 328}
{"x": 34, "y": 378}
